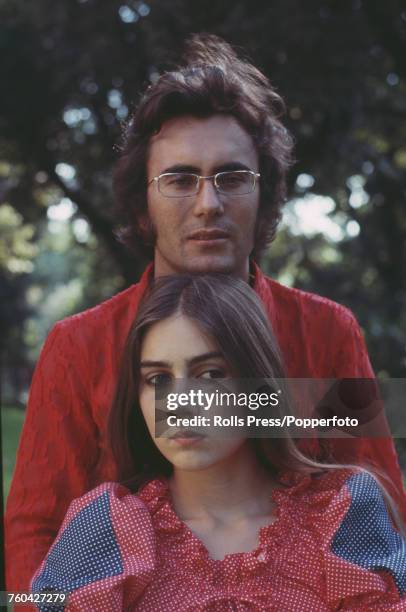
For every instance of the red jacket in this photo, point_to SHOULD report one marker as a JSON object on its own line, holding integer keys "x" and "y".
{"x": 63, "y": 450}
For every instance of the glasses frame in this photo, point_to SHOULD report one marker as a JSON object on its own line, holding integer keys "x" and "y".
{"x": 212, "y": 177}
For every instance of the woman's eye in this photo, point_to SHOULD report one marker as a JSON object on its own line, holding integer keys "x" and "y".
{"x": 158, "y": 380}
{"x": 213, "y": 373}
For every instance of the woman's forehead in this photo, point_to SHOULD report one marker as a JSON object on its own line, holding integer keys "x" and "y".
{"x": 176, "y": 338}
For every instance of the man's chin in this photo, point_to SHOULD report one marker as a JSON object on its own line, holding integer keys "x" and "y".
{"x": 224, "y": 263}
{"x": 211, "y": 264}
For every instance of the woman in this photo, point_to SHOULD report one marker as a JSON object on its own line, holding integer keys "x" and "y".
{"x": 209, "y": 524}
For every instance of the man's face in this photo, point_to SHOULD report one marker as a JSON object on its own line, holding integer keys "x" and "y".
{"x": 207, "y": 232}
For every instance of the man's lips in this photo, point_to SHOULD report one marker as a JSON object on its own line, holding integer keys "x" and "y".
{"x": 209, "y": 234}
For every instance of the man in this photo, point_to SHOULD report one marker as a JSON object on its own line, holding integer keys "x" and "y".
{"x": 200, "y": 184}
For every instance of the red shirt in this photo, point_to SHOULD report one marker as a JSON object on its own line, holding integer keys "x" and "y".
{"x": 330, "y": 546}
{"x": 63, "y": 450}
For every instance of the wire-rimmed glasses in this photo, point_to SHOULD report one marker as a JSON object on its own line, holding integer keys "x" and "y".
{"x": 185, "y": 184}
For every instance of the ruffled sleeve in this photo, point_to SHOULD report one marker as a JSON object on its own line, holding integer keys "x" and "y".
{"x": 104, "y": 554}
{"x": 364, "y": 555}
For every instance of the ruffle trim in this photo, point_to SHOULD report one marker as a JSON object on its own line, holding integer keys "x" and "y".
{"x": 241, "y": 581}
{"x": 299, "y": 503}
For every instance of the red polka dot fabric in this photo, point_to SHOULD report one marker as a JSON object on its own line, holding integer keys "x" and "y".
{"x": 298, "y": 565}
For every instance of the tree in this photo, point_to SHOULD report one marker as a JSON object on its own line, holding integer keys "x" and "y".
{"x": 74, "y": 69}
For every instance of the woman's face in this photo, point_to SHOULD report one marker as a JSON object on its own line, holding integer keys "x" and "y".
{"x": 176, "y": 348}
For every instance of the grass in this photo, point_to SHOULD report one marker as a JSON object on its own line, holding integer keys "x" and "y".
{"x": 11, "y": 424}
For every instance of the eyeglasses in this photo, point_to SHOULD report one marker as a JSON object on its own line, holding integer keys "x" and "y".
{"x": 185, "y": 185}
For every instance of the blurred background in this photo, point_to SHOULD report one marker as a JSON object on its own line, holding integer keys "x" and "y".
{"x": 71, "y": 72}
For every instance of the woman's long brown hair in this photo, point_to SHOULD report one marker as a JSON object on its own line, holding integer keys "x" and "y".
{"x": 227, "y": 310}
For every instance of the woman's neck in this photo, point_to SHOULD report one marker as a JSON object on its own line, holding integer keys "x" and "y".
{"x": 236, "y": 488}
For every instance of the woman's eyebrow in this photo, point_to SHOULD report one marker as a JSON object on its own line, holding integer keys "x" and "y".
{"x": 204, "y": 356}
{"x": 149, "y": 363}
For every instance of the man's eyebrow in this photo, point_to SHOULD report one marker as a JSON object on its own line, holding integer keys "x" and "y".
{"x": 226, "y": 167}
{"x": 230, "y": 166}
{"x": 181, "y": 168}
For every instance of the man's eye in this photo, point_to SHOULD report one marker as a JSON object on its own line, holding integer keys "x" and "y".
{"x": 232, "y": 180}
{"x": 181, "y": 180}
{"x": 159, "y": 380}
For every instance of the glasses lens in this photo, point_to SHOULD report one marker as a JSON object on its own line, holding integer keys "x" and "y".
{"x": 178, "y": 185}
{"x": 239, "y": 182}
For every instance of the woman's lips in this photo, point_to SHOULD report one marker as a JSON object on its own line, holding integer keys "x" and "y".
{"x": 186, "y": 437}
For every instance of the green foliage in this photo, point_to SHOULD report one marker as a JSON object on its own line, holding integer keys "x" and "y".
{"x": 74, "y": 70}
{"x": 16, "y": 248}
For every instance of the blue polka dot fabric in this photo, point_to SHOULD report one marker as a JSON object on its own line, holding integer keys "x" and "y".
{"x": 85, "y": 552}
{"x": 332, "y": 546}
{"x": 366, "y": 536}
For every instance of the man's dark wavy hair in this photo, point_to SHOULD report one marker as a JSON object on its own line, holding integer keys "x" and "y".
{"x": 211, "y": 79}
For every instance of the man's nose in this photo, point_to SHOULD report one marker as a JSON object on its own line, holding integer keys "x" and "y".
{"x": 208, "y": 201}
